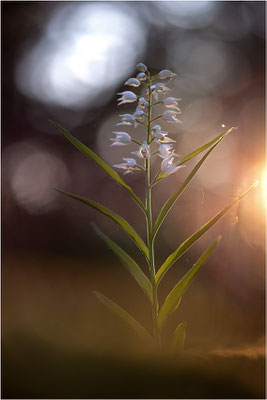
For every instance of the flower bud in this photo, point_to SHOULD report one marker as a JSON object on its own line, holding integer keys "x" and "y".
{"x": 141, "y": 76}
{"x": 132, "y": 82}
{"x": 166, "y": 73}
{"x": 141, "y": 67}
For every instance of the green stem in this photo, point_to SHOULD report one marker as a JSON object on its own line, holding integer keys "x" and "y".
{"x": 149, "y": 220}
{"x": 154, "y": 119}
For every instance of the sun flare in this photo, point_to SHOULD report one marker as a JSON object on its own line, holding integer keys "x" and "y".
{"x": 264, "y": 186}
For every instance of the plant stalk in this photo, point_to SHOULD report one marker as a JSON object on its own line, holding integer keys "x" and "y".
{"x": 149, "y": 222}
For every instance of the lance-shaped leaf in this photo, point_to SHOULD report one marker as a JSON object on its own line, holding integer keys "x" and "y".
{"x": 129, "y": 263}
{"x": 93, "y": 156}
{"x": 116, "y": 218}
{"x": 126, "y": 317}
{"x": 178, "y": 339}
{"x": 170, "y": 202}
{"x": 205, "y": 146}
{"x": 171, "y": 300}
{"x": 161, "y": 318}
{"x": 193, "y": 238}
{"x": 214, "y": 142}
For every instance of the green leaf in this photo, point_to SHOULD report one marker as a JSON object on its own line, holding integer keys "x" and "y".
{"x": 205, "y": 146}
{"x": 178, "y": 339}
{"x": 214, "y": 142}
{"x": 193, "y": 238}
{"x": 161, "y": 318}
{"x": 116, "y": 218}
{"x": 179, "y": 289}
{"x": 129, "y": 263}
{"x": 93, "y": 156}
{"x": 135, "y": 325}
{"x": 170, "y": 202}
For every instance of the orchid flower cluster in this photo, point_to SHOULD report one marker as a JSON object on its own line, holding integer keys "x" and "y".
{"x": 156, "y": 143}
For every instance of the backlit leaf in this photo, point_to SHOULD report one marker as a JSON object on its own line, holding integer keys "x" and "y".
{"x": 178, "y": 339}
{"x": 193, "y": 238}
{"x": 93, "y": 156}
{"x": 116, "y": 218}
{"x": 122, "y": 314}
{"x": 170, "y": 202}
{"x": 129, "y": 263}
{"x": 170, "y": 303}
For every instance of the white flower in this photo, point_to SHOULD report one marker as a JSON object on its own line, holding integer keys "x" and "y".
{"x": 170, "y": 116}
{"x": 142, "y": 103}
{"x": 139, "y": 114}
{"x": 168, "y": 167}
{"x": 141, "y": 76}
{"x": 127, "y": 97}
{"x": 132, "y": 82}
{"x": 166, "y": 73}
{"x": 143, "y": 152}
{"x": 172, "y": 102}
{"x": 121, "y": 139}
{"x": 166, "y": 150}
{"x": 161, "y": 88}
{"x": 129, "y": 166}
{"x": 155, "y": 129}
{"x": 158, "y": 89}
{"x": 161, "y": 137}
{"x": 141, "y": 67}
{"x": 126, "y": 119}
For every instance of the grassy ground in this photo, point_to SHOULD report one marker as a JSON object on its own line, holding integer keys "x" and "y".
{"x": 58, "y": 341}
{"x": 34, "y": 369}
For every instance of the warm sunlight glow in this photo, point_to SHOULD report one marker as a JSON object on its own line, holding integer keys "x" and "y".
{"x": 264, "y": 186}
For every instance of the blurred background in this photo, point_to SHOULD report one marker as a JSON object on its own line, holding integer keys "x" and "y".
{"x": 65, "y": 61}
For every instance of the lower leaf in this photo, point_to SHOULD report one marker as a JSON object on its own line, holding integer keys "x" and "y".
{"x": 178, "y": 339}
{"x": 179, "y": 289}
{"x": 129, "y": 263}
{"x": 122, "y": 314}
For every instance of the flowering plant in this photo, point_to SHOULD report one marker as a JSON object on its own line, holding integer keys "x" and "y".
{"x": 156, "y": 143}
